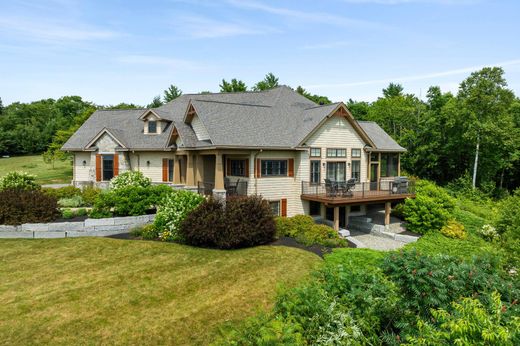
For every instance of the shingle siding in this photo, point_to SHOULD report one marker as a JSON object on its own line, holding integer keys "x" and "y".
{"x": 200, "y": 130}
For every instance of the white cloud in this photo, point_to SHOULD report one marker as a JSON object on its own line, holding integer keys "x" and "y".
{"x": 41, "y": 30}
{"x": 202, "y": 27}
{"x": 317, "y": 17}
{"x": 158, "y": 61}
{"x": 327, "y": 45}
{"x": 414, "y": 77}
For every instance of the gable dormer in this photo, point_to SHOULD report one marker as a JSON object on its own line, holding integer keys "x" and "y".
{"x": 192, "y": 118}
{"x": 153, "y": 123}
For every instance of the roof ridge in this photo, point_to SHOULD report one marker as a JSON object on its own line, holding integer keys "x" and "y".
{"x": 122, "y": 110}
{"x": 318, "y": 106}
{"x": 233, "y": 103}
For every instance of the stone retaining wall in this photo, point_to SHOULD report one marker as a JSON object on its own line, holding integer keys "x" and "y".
{"x": 87, "y": 228}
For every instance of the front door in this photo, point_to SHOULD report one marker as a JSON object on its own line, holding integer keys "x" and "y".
{"x": 374, "y": 168}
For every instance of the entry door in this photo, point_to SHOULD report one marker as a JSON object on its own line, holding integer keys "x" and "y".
{"x": 373, "y": 176}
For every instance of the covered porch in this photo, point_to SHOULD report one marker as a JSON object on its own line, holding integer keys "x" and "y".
{"x": 206, "y": 173}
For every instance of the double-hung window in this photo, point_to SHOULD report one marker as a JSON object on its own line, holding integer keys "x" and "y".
{"x": 238, "y": 168}
{"x": 275, "y": 207}
{"x": 274, "y": 168}
{"x": 152, "y": 126}
{"x": 108, "y": 167}
{"x": 315, "y": 171}
{"x": 170, "y": 170}
{"x": 355, "y": 164}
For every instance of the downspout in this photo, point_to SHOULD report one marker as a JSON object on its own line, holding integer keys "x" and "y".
{"x": 254, "y": 167}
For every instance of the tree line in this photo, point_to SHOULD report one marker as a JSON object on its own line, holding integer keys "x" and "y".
{"x": 473, "y": 134}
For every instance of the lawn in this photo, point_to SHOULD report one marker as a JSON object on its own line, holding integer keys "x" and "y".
{"x": 45, "y": 174}
{"x": 110, "y": 291}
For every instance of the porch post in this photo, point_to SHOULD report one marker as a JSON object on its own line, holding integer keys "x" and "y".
{"x": 177, "y": 170}
{"x": 219, "y": 191}
{"x": 336, "y": 218}
{"x": 190, "y": 181}
{"x": 399, "y": 164}
{"x": 388, "y": 208}
{"x": 199, "y": 171}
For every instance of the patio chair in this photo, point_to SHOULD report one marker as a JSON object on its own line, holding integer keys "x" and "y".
{"x": 330, "y": 188}
{"x": 232, "y": 188}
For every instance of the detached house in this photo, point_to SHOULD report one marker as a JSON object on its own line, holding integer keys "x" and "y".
{"x": 303, "y": 157}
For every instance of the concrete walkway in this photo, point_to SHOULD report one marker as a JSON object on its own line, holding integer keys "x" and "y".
{"x": 55, "y": 186}
{"x": 369, "y": 241}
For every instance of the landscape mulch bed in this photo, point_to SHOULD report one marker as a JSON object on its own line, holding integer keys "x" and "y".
{"x": 319, "y": 250}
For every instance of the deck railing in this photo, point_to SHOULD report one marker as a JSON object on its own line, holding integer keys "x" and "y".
{"x": 343, "y": 189}
{"x": 232, "y": 189}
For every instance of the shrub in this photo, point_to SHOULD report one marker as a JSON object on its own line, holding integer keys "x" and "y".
{"x": 173, "y": 209}
{"x": 81, "y": 212}
{"x": 67, "y": 214}
{"x": 90, "y": 195}
{"x": 26, "y": 206}
{"x": 147, "y": 232}
{"x": 242, "y": 222}
{"x": 18, "y": 181}
{"x": 306, "y": 231}
{"x": 127, "y": 201}
{"x": 489, "y": 233}
{"x": 63, "y": 192}
{"x": 509, "y": 214}
{"x": 430, "y": 210}
{"x": 454, "y": 229}
{"x": 130, "y": 178}
{"x": 72, "y": 202}
{"x": 468, "y": 323}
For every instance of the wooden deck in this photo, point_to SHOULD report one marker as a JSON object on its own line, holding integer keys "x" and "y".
{"x": 358, "y": 197}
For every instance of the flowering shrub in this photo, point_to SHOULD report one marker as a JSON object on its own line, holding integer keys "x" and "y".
{"x": 489, "y": 233}
{"x": 172, "y": 210}
{"x": 18, "y": 181}
{"x": 306, "y": 231}
{"x": 454, "y": 229}
{"x": 129, "y": 178}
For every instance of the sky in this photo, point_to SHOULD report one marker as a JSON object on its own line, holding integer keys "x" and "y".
{"x": 116, "y": 51}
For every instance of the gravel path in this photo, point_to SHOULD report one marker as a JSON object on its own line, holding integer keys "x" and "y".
{"x": 376, "y": 243}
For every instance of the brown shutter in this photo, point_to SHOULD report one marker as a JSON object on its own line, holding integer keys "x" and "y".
{"x": 164, "y": 169}
{"x": 247, "y": 168}
{"x": 257, "y": 168}
{"x": 228, "y": 167}
{"x": 98, "y": 167}
{"x": 284, "y": 206}
{"x": 116, "y": 165}
{"x": 291, "y": 168}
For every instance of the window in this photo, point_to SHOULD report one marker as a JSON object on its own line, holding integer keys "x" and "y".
{"x": 356, "y": 170}
{"x": 275, "y": 207}
{"x": 332, "y": 152}
{"x": 389, "y": 163}
{"x": 314, "y": 208}
{"x": 315, "y": 152}
{"x": 152, "y": 126}
{"x": 356, "y": 153}
{"x": 274, "y": 168}
{"x": 336, "y": 171}
{"x": 315, "y": 172}
{"x": 170, "y": 170}
{"x": 108, "y": 167}
{"x": 238, "y": 168}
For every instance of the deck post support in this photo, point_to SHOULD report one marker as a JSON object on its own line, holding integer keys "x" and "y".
{"x": 323, "y": 211}
{"x": 388, "y": 208}
{"x": 336, "y": 218}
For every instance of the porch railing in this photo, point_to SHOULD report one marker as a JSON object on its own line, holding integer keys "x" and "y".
{"x": 232, "y": 189}
{"x": 344, "y": 189}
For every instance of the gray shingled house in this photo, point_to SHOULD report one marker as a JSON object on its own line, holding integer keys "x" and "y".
{"x": 303, "y": 157}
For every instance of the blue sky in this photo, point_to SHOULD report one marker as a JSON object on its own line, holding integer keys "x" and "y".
{"x": 129, "y": 51}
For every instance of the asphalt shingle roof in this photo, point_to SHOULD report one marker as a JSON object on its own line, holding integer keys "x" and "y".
{"x": 277, "y": 118}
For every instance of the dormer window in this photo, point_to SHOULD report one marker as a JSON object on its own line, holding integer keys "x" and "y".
{"x": 152, "y": 126}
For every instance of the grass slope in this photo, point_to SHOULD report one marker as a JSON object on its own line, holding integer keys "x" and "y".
{"x": 45, "y": 174}
{"x": 109, "y": 291}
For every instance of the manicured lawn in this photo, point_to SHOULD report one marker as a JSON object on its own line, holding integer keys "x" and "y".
{"x": 45, "y": 174}
{"x": 110, "y": 291}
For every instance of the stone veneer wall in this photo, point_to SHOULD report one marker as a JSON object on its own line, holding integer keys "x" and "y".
{"x": 87, "y": 228}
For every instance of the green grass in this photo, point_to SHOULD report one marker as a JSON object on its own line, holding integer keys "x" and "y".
{"x": 106, "y": 291}
{"x": 45, "y": 174}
